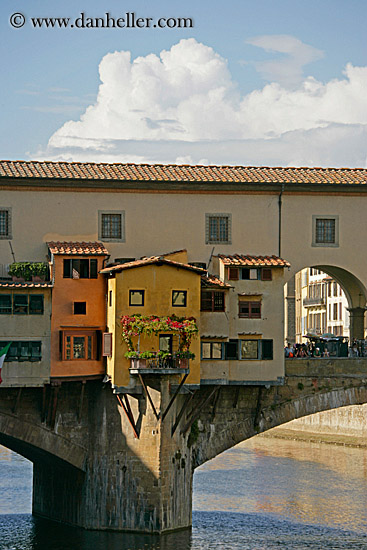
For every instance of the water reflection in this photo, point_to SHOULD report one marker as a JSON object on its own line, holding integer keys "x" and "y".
{"x": 306, "y": 482}
{"x": 264, "y": 494}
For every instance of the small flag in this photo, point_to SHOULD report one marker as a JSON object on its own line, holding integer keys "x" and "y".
{"x": 3, "y": 353}
{"x": 75, "y": 274}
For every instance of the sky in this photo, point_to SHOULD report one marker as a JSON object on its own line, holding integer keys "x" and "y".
{"x": 261, "y": 82}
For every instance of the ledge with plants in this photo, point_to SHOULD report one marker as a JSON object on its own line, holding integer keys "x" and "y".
{"x": 28, "y": 271}
{"x": 138, "y": 325}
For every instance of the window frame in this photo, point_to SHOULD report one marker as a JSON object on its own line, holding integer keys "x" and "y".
{"x": 30, "y": 299}
{"x": 317, "y": 217}
{"x": 251, "y": 304}
{"x": 79, "y": 334}
{"x": 19, "y": 344}
{"x": 212, "y": 292}
{"x": 184, "y": 292}
{"x": 241, "y": 357}
{"x": 3, "y": 307}
{"x": 211, "y": 358}
{"x": 142, "y": 292}
{"x": 121, "y": 238}
{"x": 8, "y": 235}
{"x": 218, "y": 240}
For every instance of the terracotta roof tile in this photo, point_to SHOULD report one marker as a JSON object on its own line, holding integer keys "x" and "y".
{"x": 253, "y": 261}
{"x": 211, "y": 281}
{"x": 150, "y": 261}
{"x": 180, "y": 173}
{"x": 13, "y": 284}
{"x": 78, "y": 248}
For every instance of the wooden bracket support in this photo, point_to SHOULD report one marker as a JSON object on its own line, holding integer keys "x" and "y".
{"x": 236, "y": 396}
{"x": 148, "y": 396}
{"x": 174, "y": 397}
{"x": 127, "y": 410}
{"x": 81, "y": 401}
{"x": 258, "y": 408}
{"x": 186, "y": 403}
{"x": 196, "y": 412}
{"x": 17, "y": 401}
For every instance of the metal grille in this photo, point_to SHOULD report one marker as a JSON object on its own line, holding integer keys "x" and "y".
{"x": 325, "y": 231}
{"x": 218, "y": 229}
{"x": 111, "y": 226}
{"x": 4, "y": 223}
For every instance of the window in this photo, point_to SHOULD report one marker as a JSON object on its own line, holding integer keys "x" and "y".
{"x": 266, "y": 274}
{"x": 78, "y": 346}
{"x": 266, "y": 349}
{"x": 5, "y": 223}
{"x": 233, "y": 273}
{"x": 136, "y": 297}
{"x": 249, "y": 349}
{"x": 23, "y": 351}
{"x": 22, "y": 304}
{"x": 80, "y": 269}
{"x": 248, "y": 274}
{"x": 5, "y": 303}
{"x": 211, "y": 350}
{"x": 179, "y": 298}
{"x": 249, "y": 310}
{"x": 110, "y": 298}
{"x": 80, "y": 308}
{"x": 212, "y": 300}
{"x": 335, "y": 312}
{"x": 111, "y": 225}
{"x": 218, "y": 228}
{"x": 231, "y": 349}
{"x": 36, "y": 304}
{"x": 107, "y": 344}
{"x": 325, "y": 230}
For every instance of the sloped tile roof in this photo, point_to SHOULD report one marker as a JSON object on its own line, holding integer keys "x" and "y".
{"x": 253, "y": 261}
{"x": 78, "y": 248}
{"x": 180, "y": 173}
{"x": 14, "y": 284}
{"x": 149, "y": 261}
{"x": 211, "y": 281}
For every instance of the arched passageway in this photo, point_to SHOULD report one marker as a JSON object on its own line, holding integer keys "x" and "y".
{"x": 299, "y": 298}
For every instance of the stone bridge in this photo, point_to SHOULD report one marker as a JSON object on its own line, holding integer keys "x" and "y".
{"x": 126, "y": 462}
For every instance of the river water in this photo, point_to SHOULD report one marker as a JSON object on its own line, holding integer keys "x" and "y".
{"x": 263, "y": 494}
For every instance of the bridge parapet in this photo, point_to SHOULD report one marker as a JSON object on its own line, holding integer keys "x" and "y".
{"x": 327, "y": 367}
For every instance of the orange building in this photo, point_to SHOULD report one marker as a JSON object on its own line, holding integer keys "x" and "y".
{"x": 78, "y": 309}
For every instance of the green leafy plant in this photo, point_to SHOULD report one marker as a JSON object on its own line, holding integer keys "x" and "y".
{"x": 39, "y": 269}
{"x": 25, "y": 270}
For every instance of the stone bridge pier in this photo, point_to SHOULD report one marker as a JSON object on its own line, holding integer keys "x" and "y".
{"x": 126, "y": 462}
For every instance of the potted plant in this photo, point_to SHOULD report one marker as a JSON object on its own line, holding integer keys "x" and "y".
{"x": 20, "y": 271}
{"x": 39, "y": 271}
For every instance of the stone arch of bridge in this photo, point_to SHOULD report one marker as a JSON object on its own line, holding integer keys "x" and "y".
{"x": 39, "y": 444}
{"x": 354, "y": 289}
{"x": 301, "y": 397}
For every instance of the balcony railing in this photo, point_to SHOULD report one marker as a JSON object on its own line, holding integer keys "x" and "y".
{"x": 160, "y": 363}
{"x": 318, "y": 301}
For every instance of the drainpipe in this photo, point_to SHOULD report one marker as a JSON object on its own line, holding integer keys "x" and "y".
{"x": 280, "y": 221}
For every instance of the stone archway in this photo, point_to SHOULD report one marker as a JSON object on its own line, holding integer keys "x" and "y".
{"x": 355, "y": 292}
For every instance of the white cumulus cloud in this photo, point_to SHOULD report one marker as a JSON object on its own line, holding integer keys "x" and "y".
{"x": 184, "y": 105}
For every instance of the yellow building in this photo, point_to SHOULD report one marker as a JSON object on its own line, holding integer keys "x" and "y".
{"x": 161, "y": 287}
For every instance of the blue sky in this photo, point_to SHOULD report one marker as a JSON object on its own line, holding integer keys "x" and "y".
{"x": 266, "y": 82}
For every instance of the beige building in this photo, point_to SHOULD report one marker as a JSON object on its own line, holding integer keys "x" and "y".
{"x": 140, "y": 210}
{"x": 25, "y": 320}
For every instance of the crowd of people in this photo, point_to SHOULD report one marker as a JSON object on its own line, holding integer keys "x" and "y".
{"x": 357, "y": 348}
